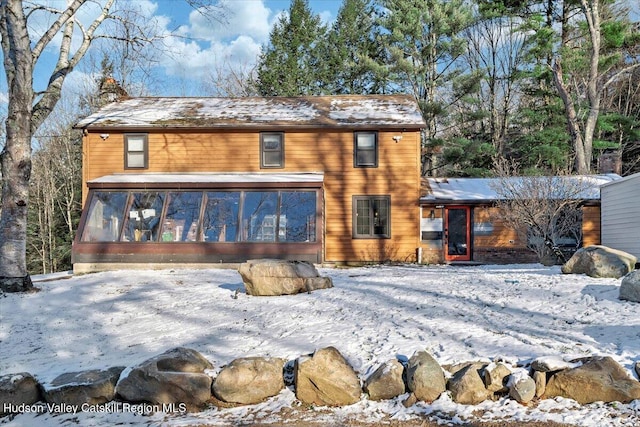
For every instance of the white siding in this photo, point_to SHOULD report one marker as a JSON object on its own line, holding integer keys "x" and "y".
{"x": 621, "y": 214}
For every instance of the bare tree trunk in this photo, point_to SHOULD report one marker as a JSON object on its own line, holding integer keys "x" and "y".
{"x": 592, "y": 15}
{"x": 573, "y": 124}
{"x": 582, "y": 138}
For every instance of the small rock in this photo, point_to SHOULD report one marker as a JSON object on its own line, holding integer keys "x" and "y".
{"x": 410, "y": 401}
{"x": 386, "y": 382}
{"x": 93, "y": 387}
{"x": 467, "y": 386}
{"x": 17, "y": 389}
{"x": 425, "y": 377}
{"x": 495, "y": 377}
{"x": 176, "y": 376}
{"x": 522, "y": 387}
{"x": 326, "y": 379}
{"x": 552, "y": 364}
{"x": 540, "y": 379}
{"x": 249, "y": 380}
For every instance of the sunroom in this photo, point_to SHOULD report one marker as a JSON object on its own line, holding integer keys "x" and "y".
{"x": 199, "y": 218}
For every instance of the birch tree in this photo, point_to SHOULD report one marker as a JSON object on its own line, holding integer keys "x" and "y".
{"x": 22, "y": 49}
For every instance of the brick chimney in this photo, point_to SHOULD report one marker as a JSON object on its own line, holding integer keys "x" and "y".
{"x": 610, "y": 162}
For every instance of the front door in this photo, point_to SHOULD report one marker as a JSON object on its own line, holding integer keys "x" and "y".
{"x": 457, "y": 231}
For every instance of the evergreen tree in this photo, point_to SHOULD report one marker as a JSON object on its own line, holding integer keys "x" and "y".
{"x": 290, "y": 64}
{"x": 350, "y": 52}
{"x": 423, "y": 38}
{"x": 540, "y": 140}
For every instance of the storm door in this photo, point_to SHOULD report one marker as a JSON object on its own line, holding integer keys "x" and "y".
{"x": 457, "y": 230}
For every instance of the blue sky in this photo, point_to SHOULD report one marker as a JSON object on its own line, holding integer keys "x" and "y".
{"x": 204, "y": 45}
{"x": 234, "y": 43}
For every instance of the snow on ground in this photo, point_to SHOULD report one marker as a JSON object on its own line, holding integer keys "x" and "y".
{"x": 511, "y": 312}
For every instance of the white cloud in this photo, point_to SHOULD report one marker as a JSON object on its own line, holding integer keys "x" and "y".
{"x": 242, "y": 17}
{"x": 205, "y": 44}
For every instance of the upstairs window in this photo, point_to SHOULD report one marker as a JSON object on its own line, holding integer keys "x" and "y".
{"x": 272, "y": 150}
{"x": 372, "y": 216}
{"x": 136, "y": 151}
{"x": 365, "y": 150}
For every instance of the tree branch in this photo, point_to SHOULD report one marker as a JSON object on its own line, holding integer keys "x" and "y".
{"x": 46, "y": 38}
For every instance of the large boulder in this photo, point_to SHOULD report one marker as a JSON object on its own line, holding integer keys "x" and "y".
{"x": 599, "y": 379}
{"x": 386, "y": 382}
{"x": 630, "y": 288}
{"x": 92, "y": 387}
{"x": 326, "y": 379}
{"x": 600, "y": 261}
{"x": 176, "y": 376}
{"x": 467, "y": 387}
{"x": 249, "y": 380}
{"x": 270, "y": 277}
{"x": 425, "y": 377}
{"x": 17, "y": 390}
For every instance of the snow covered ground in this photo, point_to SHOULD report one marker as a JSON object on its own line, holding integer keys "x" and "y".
{"x": 512, "y": 312}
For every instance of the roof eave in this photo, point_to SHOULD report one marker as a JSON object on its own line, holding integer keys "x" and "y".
{"x": 252, "y": 127}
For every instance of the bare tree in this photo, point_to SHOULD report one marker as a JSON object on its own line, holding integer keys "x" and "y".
{"x": 55, "y": 189}
{"x": 227, "y": 79}
{"x": 495, "y": 49}
{"x": 544, "y": 210}
{"x": 27, "y": 110}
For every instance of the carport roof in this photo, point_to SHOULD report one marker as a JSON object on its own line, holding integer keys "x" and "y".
{"x": 485, "y": 190}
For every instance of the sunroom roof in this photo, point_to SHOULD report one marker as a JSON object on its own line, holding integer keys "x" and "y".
{"x": 263, "y": 112}
{"x": 208, "y": 178}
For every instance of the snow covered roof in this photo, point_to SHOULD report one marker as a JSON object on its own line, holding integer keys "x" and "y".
{"x": 208, "y": 178}
{"x": 484, "y": 189}
{"x": 303, "y": 112}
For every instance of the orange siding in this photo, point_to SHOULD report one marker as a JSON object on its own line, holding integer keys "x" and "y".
{"x": 590, "y": 225}
{"x": 327, "y": 151}
{"x": 501, "y": 236}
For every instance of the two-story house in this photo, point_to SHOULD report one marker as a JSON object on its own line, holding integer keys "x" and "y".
{"x": 200, "y": 181}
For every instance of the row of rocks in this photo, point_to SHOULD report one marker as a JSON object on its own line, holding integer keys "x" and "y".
{"x": 182, "y": 376}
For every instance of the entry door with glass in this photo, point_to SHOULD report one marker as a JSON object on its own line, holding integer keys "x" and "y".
{"x": 457, "y": 231}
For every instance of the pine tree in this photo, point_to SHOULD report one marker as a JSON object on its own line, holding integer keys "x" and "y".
{"x": 350, "y": 52}
{"x": 423, "y": 38}
{"x": 289, "y": 65}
